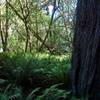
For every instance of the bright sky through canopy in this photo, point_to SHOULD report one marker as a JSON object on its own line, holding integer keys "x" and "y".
{"x": 2, "y": 2}
{"x": 50, "y": 7}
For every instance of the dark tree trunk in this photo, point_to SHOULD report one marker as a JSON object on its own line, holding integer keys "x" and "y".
{"x": 86, "y": 49}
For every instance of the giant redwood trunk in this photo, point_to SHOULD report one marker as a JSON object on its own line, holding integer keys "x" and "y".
{"x": 86, "y": 50}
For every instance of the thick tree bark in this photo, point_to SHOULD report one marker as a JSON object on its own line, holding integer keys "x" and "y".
{"x": 85, "y": 60}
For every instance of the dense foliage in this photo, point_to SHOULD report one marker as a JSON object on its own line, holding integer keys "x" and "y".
{"x": 22, "y": 73}
{"x": 43, "y": 25}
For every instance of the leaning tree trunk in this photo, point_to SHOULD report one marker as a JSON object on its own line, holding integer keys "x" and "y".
{"x": 86, "y": 49}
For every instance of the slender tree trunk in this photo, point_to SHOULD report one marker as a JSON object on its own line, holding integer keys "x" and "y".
{"x": 27, "y": 37}
{"x": 7, "y": 28}
{"x": 49, "y": 33}
{"x": 4, "y": 35}
{"x": 2, "y": 40}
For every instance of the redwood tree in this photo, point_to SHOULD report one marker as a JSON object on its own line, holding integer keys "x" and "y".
{"x": 86, "y": 50}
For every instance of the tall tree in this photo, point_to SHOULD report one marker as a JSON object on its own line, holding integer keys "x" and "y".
{"x": 86, "y": 50}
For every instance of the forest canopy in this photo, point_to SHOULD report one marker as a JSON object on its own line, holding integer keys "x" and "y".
{"x": 37, "y": 25}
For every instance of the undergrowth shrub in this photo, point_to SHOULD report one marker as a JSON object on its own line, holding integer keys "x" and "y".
{"x": 27, "y": 67}
{"x": 30, "y": 71}
{"x": 53, "y": 93}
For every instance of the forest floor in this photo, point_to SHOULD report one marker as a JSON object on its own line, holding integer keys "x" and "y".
{"x": 38, "y": 76}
